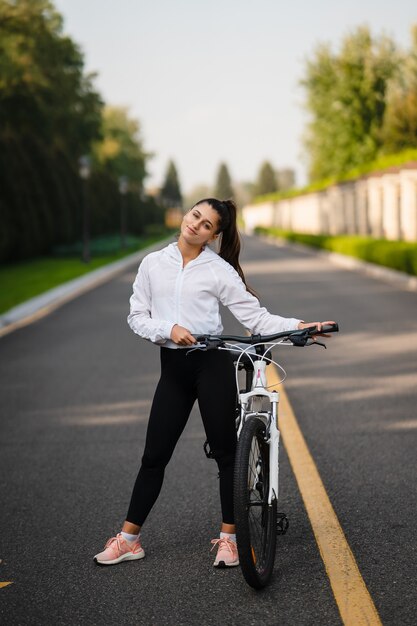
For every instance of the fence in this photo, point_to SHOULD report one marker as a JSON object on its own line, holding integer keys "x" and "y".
{"x": 381, "y": 205}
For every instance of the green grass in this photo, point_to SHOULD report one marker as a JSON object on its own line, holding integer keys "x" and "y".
{"x": 24, "y": 280}
{"x": 397, "y": 255}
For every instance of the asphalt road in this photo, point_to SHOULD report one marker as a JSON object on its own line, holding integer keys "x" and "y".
{"x": 75, "y": 393}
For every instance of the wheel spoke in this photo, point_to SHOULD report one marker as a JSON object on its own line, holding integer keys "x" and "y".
{"x": 255, "y": 519}
{"x": 258, "y": 514}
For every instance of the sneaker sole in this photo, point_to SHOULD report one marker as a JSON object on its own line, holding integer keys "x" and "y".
{"x": 224, "y": 565}
{"x": 125, "y": 557}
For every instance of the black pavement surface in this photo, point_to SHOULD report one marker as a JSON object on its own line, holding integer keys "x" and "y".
{"x": 75, "y": 393}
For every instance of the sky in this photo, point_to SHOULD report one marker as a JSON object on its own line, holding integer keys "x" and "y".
{"x": 214, "y": 81}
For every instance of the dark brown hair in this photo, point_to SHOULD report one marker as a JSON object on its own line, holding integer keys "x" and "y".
{"x": 230, "y": 243}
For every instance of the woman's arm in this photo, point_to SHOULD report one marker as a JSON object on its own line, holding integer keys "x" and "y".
{"x": 139, "y": 318}
{"x": 246, "y": 308}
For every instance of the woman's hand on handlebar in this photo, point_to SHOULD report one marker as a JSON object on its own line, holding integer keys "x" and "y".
{"x": 182, "y": 336}
{"x": 318, "y": 325}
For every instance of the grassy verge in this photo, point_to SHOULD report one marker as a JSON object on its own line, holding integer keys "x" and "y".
{"x": 21, "y": 281}
{"x": 397, "y": 255}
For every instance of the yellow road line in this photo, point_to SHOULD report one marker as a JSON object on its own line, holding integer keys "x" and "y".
{"x": 5, "y": 584}
{"x": 352, "y": 597}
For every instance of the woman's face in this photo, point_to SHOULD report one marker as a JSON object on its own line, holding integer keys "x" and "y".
{"x": 199, "y": 226}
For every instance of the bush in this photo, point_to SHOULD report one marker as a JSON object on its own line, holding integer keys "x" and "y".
{"x": 397, "y": 255}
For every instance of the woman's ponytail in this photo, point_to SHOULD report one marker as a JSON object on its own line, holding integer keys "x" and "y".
{"x": 230, "y": 243}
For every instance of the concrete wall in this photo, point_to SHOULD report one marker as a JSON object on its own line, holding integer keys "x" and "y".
{"x": 381, "y": 205}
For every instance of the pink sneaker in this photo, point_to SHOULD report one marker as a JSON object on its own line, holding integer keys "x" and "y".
{"x": 227, "y": 555}
{"x": 117, "y": 549}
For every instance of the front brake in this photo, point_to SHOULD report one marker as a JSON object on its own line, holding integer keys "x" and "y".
{"x": 314, "y": 342}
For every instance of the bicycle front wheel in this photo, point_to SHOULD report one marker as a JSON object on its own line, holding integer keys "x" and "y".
{"x": 255, "y": 520}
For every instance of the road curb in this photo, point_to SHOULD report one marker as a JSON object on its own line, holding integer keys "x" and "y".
{"x": 400, "y": 279}
{"x": 40, "y": 306}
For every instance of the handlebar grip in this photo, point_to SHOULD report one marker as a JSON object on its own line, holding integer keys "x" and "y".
{"x": 330, "y": 328}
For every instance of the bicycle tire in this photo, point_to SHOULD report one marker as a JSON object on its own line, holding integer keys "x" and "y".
{"x": 255, "y": 520}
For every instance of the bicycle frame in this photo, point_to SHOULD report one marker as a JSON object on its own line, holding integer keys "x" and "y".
{"x": 269, "y": 417}
{"x": 258, "y": 389}
{"x": 256, "y": 472}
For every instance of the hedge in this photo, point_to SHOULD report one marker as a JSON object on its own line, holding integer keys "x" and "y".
{"x": 397, "y": 255}
{"x": 41, "y": 200}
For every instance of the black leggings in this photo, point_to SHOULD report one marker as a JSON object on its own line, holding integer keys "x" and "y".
{"x": 208, "y": 377}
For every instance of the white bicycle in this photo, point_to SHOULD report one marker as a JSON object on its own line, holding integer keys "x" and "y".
{"x": 257, "y": 455}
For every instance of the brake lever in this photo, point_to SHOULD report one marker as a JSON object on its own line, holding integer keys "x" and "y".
{"x": 313, "y": 342}
{"x": 207, "y": 345}
{"x": 203, "y": 348}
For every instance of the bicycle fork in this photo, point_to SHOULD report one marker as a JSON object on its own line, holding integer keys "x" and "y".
{"x": 274, "y": 436}
{"x": 270, "y": 418}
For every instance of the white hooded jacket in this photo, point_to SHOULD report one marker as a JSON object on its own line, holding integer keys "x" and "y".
{"x": 165, "y": 293}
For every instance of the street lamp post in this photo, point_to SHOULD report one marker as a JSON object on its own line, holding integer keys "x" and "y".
{"x": 123, "y": 188}
{"x": 85, "y": 170}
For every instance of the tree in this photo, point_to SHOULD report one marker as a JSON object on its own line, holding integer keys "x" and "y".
{"x": 266, "y": 181}
{"x": 170, "y": 194}
{"x": 346, "y": 99}
{"x": 400, "y": 122}
{"x": 50, "y": 115}
{"x": 244, "y": 192}
{"x": 197, "y": 193}
{"x": 285, "y": 178}
{"x": 120, "y": 151}
{"x": 223, "y": 188}
{"x": 44, "y": 90}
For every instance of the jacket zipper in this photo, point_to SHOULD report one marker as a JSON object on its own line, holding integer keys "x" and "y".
{"x": 178, "y": 287}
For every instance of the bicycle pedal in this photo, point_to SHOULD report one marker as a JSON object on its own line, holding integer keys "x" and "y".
{"x": 207, "y": 451}
{"x": 282, "y": 523}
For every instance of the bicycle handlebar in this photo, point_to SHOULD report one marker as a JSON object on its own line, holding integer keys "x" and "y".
{"x": 297, "y": 337}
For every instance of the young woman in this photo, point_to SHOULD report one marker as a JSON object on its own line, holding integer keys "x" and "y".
{"x": 176, "y": 295}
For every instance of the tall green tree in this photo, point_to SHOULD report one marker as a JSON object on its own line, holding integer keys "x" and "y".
{"x": 43, "y": 87}
{"x": 120, "y": 155}
{"x": 50, "y": 115}
{"x": 266, "y": 181}
{"x": 346, "y": 99}
{"x": 170, "y": 193}
{"x": 223, "y": 188}
{"x": 400, "y": 122}
{"x": 120, "y": 151}
{"x": 197, "y": 193}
